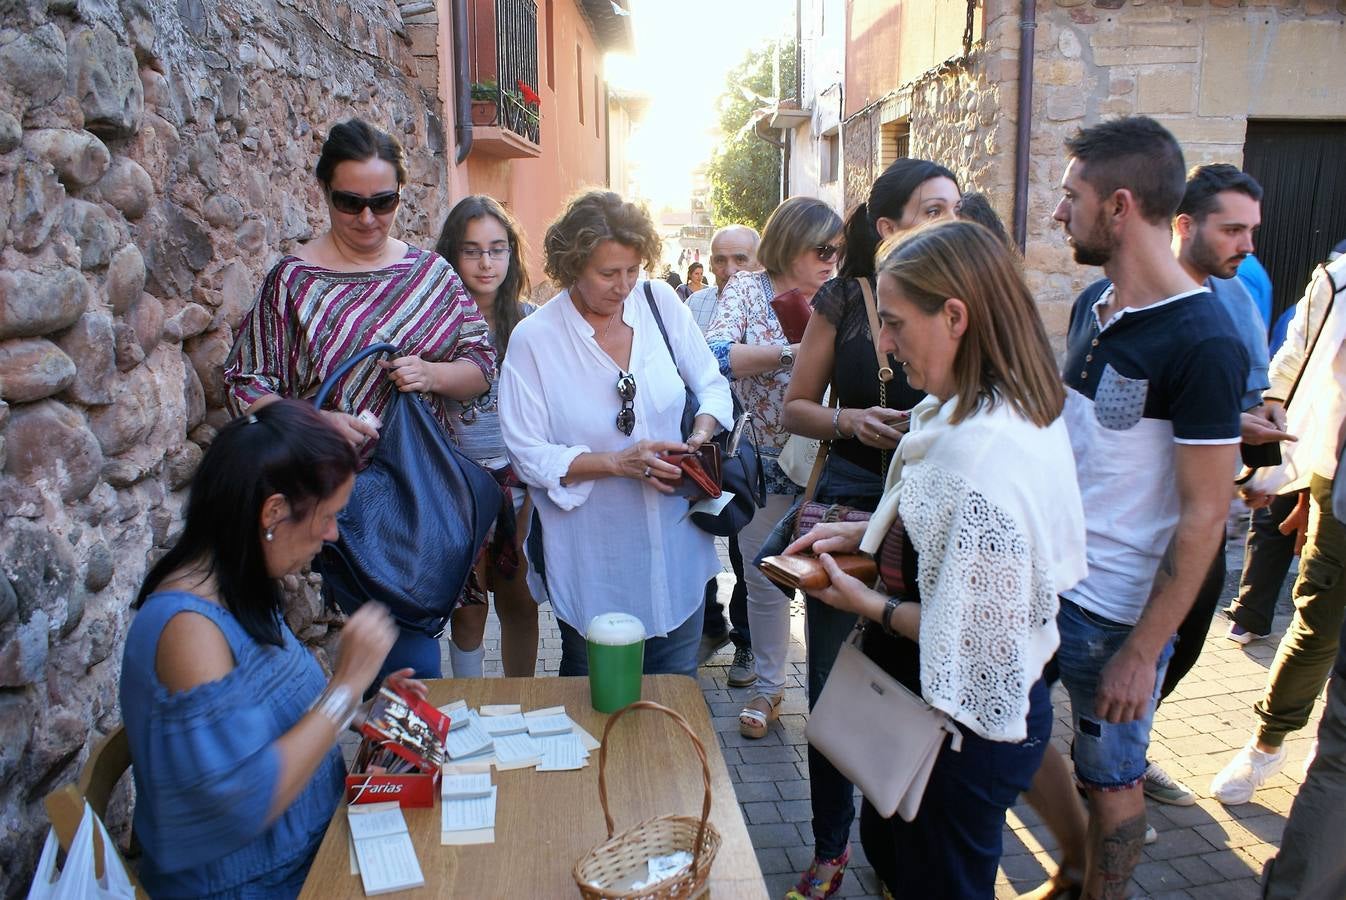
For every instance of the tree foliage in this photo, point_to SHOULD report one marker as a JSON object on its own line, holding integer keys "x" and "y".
{"x": 744, "y": 172}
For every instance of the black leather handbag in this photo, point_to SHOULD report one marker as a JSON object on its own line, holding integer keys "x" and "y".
{"x": 740, "y": 466}
{"x": 416, "y": 520}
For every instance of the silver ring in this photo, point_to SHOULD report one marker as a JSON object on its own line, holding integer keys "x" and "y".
{"x": 647, "y": 472}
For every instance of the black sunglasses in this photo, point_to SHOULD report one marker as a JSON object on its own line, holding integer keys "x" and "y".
{"x": 354, "y": 204}
{"x": 826, "y": 252}
{"x": 626, "y": 389}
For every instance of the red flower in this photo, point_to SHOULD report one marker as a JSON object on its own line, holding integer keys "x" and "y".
{"x": 529, "y": 94}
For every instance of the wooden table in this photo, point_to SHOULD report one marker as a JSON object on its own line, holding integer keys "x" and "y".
{"x": 545, "y": 821}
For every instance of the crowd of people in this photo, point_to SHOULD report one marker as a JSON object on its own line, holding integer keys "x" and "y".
{"x": 1031, "y": 523}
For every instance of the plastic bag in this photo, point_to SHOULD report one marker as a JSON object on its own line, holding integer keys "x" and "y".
{"x": 77, "y": 879}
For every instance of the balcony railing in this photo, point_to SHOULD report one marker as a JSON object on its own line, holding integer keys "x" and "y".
{"x": 505, "y": 100}
{"x": 516, "y": 66}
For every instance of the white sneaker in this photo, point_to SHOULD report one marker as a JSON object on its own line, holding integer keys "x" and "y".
{"x": 1246, "y": 772}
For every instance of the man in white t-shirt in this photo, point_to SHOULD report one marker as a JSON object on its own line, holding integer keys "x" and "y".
{"x": 1154, "y": 373}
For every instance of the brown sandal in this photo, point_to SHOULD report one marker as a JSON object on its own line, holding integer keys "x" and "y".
{"x": 757, "y": 716}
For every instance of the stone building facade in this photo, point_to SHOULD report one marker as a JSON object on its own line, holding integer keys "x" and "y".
{"x": 155, "y": 160}
{"x": 1204, "y": 68}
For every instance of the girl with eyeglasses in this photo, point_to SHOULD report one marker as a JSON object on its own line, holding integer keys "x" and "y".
{"x": 799, "y": 249}
{"x": 353, "y": 286}
{"x": 483, "y": 243}
{"x": 591, "y": 402}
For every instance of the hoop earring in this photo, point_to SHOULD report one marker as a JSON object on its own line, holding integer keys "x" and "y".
{"x": 270, "y": 535}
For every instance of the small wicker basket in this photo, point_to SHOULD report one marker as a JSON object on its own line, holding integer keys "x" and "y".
{"x": 622, "y": 857}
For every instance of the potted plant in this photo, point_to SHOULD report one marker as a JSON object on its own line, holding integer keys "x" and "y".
{"x": 485, "y": 103}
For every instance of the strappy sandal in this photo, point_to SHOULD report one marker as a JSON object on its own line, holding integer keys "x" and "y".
{"x": 753, "y": 720}
{"x": 812, "y": 885}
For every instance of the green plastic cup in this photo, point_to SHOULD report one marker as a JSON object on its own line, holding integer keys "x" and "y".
{"x": 616, "y": 656}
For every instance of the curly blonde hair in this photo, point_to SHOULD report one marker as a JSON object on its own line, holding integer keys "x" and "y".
{"x": 588, "y": 220}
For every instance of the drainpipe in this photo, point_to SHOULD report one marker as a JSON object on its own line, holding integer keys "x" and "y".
{"x": 1027, "y": 31}
{"x": 462, "y": 118}
{"x": 784, "y": 147}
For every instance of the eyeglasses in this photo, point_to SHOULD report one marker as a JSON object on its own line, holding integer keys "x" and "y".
{"x": 476, "y": 253}
{"x": 354, "y": 204}
{"x": 626, "y": 389}
{"x": 826, "y": 252}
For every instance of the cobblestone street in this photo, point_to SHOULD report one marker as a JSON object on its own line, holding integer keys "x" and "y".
{"x": 1203, "y": 851}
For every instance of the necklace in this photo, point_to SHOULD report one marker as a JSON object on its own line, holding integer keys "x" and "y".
{"x": 608, "y": 327}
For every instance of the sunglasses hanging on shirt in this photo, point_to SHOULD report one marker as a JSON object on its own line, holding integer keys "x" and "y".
{"x": 626, "y": 390}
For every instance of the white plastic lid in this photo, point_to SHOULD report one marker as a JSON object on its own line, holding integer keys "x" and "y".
{"x": 616, "y": 629}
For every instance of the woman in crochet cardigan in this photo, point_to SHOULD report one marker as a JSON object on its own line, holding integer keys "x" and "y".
{"x": 980, "y": 527}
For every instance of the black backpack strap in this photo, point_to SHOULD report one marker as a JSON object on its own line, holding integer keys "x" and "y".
{"x": 659, "y": 320}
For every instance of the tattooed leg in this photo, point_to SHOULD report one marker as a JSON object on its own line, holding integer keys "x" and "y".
{"x": 1116, "y": 837}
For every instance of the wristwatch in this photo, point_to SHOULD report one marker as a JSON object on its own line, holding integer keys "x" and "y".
{"x": 787, "y": 358}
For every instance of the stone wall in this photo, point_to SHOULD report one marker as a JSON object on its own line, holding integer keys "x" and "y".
{"x": 155, "y": 160}
{"x": 1202, "y": 67}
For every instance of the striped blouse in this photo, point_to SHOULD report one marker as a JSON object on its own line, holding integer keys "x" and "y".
{"x": 308, "y": 320}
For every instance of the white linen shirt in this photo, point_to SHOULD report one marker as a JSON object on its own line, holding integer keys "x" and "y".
{"x": 612, "y": 544}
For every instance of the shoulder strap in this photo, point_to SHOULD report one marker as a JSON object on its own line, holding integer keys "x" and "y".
{"x": 885, "y": 371}
{"x": 824, "y": 448}
{"x": 1322, "y": 326}
{"x": 659, "y": 320}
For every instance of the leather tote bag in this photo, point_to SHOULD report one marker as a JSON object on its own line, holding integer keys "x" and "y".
{"x": 416, "y": 520}
{"x": 880, "y": 735}
{"x": 740, "y": 466}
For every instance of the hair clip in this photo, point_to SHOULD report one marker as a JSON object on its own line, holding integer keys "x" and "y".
{"x": 252, "y": 418}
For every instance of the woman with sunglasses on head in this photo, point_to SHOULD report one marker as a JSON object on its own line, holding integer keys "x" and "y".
{"x": 799, "y": 249}
{"x": 482, "y": 241}
{"x": 352, "y": 287}
{"x": 590, "y": 403}
{"x": 864, "y": 426}
{"x": 979, "y": 528}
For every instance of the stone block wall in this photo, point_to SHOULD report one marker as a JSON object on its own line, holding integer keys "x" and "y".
{"x": 155, "y": 159}
{"x": 1202, "y": 67}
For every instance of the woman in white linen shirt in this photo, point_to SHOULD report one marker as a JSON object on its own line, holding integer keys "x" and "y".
{"x": 979, "y": 529}
{"x": 590, "y": 401}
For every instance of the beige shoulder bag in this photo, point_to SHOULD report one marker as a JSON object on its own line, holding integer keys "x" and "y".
{"x": 880, "y": 735}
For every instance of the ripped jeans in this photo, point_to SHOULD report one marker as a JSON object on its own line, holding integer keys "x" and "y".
{"x": 1107, "y": 757}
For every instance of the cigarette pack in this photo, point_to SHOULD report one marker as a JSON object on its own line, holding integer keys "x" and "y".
{"x": 401, "y": 754}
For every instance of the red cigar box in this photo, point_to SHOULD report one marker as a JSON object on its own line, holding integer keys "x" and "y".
{"x": 407, "y": 735}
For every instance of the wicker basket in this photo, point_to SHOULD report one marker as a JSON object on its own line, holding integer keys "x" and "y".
{"x": 622, "y": 857}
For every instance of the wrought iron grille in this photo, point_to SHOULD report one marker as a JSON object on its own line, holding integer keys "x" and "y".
{"x": 516, "y": 67}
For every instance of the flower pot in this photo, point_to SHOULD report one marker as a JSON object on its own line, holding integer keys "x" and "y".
{"x": 483, "y": 112}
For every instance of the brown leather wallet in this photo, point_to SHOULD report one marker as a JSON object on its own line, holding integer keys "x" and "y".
{"x": 806, "y": 573}
{"x": 700, "y": 470}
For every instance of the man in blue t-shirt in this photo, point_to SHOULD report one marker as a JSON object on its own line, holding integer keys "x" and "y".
{"x": 1155, "y": 372}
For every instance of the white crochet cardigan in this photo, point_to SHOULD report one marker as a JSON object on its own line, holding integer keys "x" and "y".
{"x": 993, "y": 509}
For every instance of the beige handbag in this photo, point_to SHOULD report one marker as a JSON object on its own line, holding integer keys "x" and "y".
{"x": 880, "y": 735}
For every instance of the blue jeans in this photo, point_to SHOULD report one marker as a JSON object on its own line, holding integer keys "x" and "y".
{"x": 1107, "y": 757}
{"x": 674, "y": 654}
{"x": 952, "y": 848}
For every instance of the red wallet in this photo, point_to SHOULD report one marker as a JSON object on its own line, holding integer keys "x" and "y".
{"x": 701, "y": 477}
{"x": 793, "y": 310}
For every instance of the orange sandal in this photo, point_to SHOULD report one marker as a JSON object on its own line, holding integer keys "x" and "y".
{"x": 757, "y": 716}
